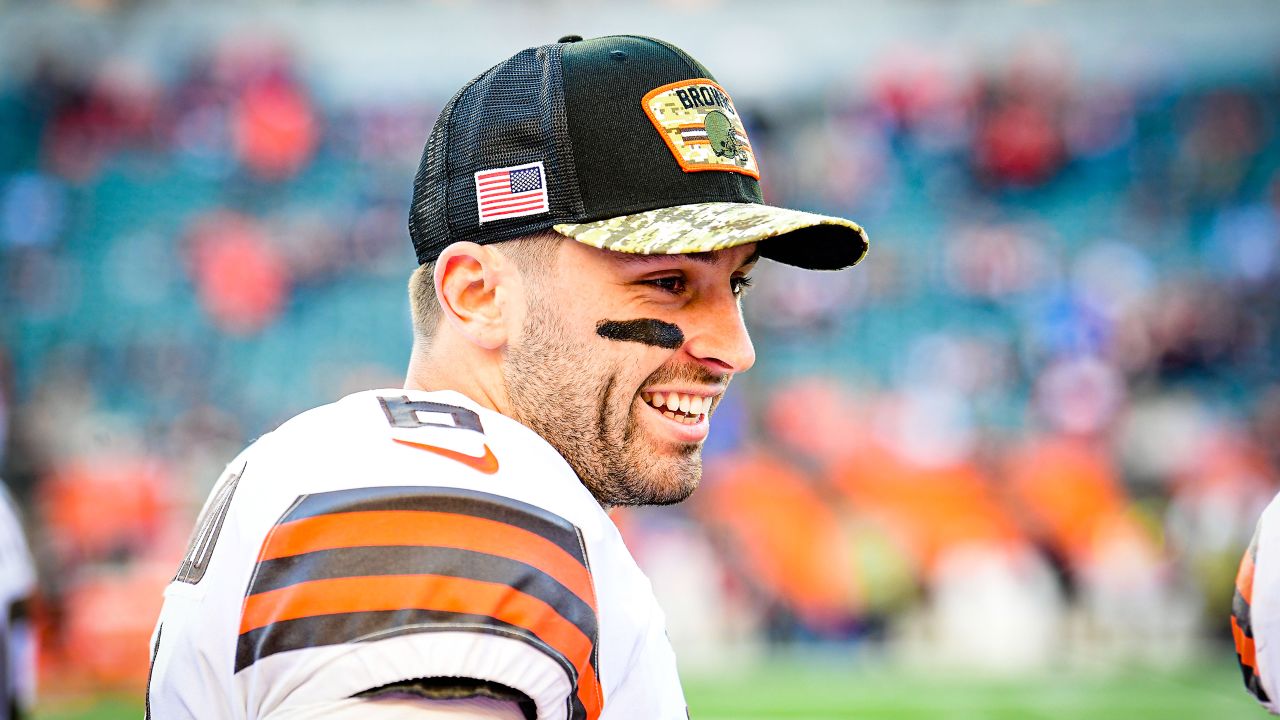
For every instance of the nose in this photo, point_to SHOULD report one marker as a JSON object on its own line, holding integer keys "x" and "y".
{"x": 717, "y": 336}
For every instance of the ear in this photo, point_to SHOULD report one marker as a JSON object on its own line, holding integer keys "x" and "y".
{"x": 474, "y": 284}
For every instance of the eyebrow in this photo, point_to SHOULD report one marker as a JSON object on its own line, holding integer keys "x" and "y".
{"x": 707, "y": 258}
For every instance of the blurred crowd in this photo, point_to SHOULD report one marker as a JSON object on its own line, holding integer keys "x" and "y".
{"x": 1035, "y": 426}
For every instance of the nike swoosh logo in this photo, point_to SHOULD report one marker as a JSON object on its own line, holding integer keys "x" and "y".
{"x": 487, "y": 464}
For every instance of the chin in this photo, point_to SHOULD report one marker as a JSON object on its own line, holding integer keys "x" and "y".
{"x": 665, "y": 486}
{"x": 674, "y": 495}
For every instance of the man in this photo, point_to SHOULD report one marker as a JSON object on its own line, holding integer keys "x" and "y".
{"x": 584, "y": 234}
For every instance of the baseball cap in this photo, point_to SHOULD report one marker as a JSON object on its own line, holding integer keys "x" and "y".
{"x": 622, "y": 142}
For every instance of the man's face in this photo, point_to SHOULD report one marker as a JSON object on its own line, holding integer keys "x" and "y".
{"x": 593, "y": 397}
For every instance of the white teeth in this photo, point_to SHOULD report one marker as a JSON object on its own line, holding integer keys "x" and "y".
{"x": 688, "y": 409}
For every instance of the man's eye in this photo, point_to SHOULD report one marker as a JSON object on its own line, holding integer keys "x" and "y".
{"x": 739, "y": 285}
{"x": 673, "y": 284}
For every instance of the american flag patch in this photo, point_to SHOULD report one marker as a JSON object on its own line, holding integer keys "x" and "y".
{"x": 511, "y": 192}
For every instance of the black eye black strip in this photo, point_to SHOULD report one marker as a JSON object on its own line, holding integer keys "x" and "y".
{"x": 643, "y": 330}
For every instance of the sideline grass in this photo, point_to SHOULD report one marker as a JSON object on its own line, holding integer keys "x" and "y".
{"x": 814, "y": 691}
{"x": 805, "y": 691}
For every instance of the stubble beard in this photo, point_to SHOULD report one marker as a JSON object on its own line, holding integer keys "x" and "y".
{"x": 589, "y": 417}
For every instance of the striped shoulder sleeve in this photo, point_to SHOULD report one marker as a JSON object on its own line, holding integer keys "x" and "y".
{"x": 359, "y": 566}
{"x": 1242, "y": 627}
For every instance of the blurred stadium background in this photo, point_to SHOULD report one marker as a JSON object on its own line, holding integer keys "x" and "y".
{"x": 1004, "y": 469}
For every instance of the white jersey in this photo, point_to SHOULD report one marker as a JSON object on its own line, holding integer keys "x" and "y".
{"x": 17, "y": 585}
{"x": 400, "y": 535}
{"x": 1255, "y": 611}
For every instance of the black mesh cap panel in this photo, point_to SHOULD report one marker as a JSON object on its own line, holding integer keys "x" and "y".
{"x": 624, "y": 165}
{"x": 510, "y": 115}
{"x": 428, "y": 212}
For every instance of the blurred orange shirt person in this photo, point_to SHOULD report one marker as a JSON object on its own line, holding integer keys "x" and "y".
{"x": 1069, "y": 493}
{"x": 242, "y": 280}
{"x": 790, "y": 536}
{"x": 96, "y": 507}
{"x": 931, "y": 509}
{"x": 276, "y": 129}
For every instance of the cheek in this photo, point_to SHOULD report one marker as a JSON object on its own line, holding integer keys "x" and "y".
{"x": 617, "y": 371}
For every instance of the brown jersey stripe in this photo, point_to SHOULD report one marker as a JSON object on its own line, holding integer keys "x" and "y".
{"x": 431, "y": 592}
{"x": 417, "y": 560}
{"x": 323, "y": 630}
{"x": 429, "y": 528}
{"x": 444, "y": 499}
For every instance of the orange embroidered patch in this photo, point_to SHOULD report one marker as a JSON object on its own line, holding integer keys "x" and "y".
{"x": 700, "y": 125}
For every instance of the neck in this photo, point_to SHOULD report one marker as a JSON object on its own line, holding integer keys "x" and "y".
{"x": 478, "y": 378}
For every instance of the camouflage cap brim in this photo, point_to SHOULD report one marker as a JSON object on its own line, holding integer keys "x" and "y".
{"x": 808, "y": 240}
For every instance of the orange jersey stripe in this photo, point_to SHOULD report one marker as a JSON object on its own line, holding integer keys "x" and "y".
{"x": 424, "y": 527}
{"x": 1244, "y": 578}
{"x": 430, "y": 592}
{"x": 1245, "y": 647}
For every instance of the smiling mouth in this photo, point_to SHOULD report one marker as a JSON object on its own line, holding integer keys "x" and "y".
{"x": 685, "y": 409}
